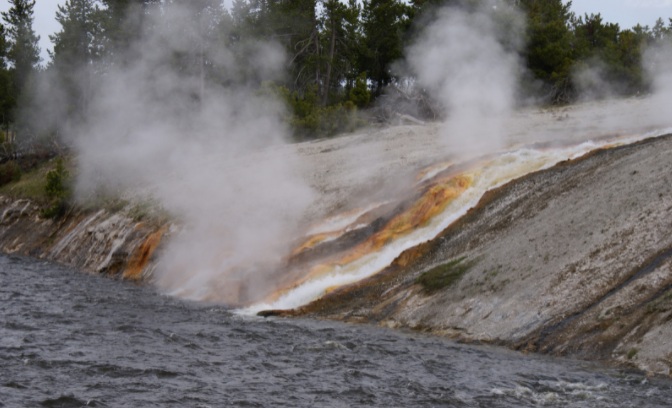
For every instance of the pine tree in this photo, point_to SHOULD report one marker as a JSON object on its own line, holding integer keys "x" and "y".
{"x": 548, "y": 54}
{"x": 340, "y": 37}
{"x": 23, "y": 53}
{"x": 382, "y": 25}
{"x": 77, "y": 47}
{"x": 124, "y": 23}
{"x": 7, "y": 96}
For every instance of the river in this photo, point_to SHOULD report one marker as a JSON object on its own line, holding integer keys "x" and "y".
{"x": 68, "y": 339}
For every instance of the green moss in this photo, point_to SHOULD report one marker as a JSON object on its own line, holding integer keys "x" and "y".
{"x": 444, "y": 275}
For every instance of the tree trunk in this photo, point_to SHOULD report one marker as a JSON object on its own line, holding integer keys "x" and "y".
{"x": 317, "y": 51}
{"x": 325, "y": 92}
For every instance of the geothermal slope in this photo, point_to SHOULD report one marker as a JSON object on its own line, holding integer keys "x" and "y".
{"x": 568, "y": 257}
{"x": 555, "y": 236}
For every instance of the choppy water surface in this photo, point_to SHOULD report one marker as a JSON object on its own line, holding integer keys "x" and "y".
{"x": 70, "y": 340}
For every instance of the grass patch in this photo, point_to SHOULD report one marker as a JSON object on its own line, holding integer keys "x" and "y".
{"x": 632, "y": 353}
{"x": 32, "y": 184}
{"x": 444, "y": 275}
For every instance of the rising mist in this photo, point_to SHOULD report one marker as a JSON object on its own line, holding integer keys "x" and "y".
{"x": 462, "y": 61}
{"x": 210, "y": 160}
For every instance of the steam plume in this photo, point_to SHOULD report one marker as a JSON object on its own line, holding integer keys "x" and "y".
{"x": 462, "y": 62}
{"x": 216, "y": 162}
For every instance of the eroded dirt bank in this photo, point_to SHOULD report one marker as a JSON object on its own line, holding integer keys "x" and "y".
{"x": 573, "y": 260}
{"x": 97, "y": 242}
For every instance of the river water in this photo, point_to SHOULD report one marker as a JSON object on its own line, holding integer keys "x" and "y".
{"x": 68, "y": 339}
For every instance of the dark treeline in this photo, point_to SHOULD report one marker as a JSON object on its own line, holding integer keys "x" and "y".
{"x": 338, "y": 56}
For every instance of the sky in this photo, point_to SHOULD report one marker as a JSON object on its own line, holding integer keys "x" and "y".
{"x": 627, "y": 13}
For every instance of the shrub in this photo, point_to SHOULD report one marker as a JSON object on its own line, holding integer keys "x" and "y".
{"x": 359, "y": 94}
{"x": 57, "y": 189}
{"x": 9, "y": 172}
{"x": 307, "y": 118}
{"x": 56, "y": 180}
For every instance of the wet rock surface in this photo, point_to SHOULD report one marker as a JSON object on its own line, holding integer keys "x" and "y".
{"x": 572, "y": 260}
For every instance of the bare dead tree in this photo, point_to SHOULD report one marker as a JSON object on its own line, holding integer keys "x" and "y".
{"x": 406, "y": 102}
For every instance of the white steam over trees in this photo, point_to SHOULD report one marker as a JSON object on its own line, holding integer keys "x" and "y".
{"x": 463, "y": 63}
{"x": 315, "y": 52}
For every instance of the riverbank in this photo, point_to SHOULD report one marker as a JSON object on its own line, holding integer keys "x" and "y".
{"x": 570, "y": 260}
{"x": 99, "y": 242}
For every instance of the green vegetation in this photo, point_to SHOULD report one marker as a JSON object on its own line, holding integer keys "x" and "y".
{"x": 56, "y": 181}
{"x": 149, "y": 210}
{"x": 19, "y": 55}
{"x": 57, "y": 189}
{"x": 575, "y": 56}
{"x": 309, "y": 119}
{"x": 444, "y": 275}
{"x": 632, "y": 353}
{"x": 31, "y": 184}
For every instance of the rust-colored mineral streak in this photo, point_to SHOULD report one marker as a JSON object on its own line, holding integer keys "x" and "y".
{"x": 142, "y": 254}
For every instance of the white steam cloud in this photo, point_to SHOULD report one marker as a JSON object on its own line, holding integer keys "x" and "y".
{"x": 213, "y": 162}
{"x": 462, "y": 63}
{"x": 658, "y": 61}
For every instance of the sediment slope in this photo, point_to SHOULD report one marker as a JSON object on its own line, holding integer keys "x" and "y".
{"x": 573, "y": 260}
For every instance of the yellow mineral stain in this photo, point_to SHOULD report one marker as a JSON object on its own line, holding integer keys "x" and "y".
{"x": 431, "y": 204}
{"x": 317, "y": 239}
